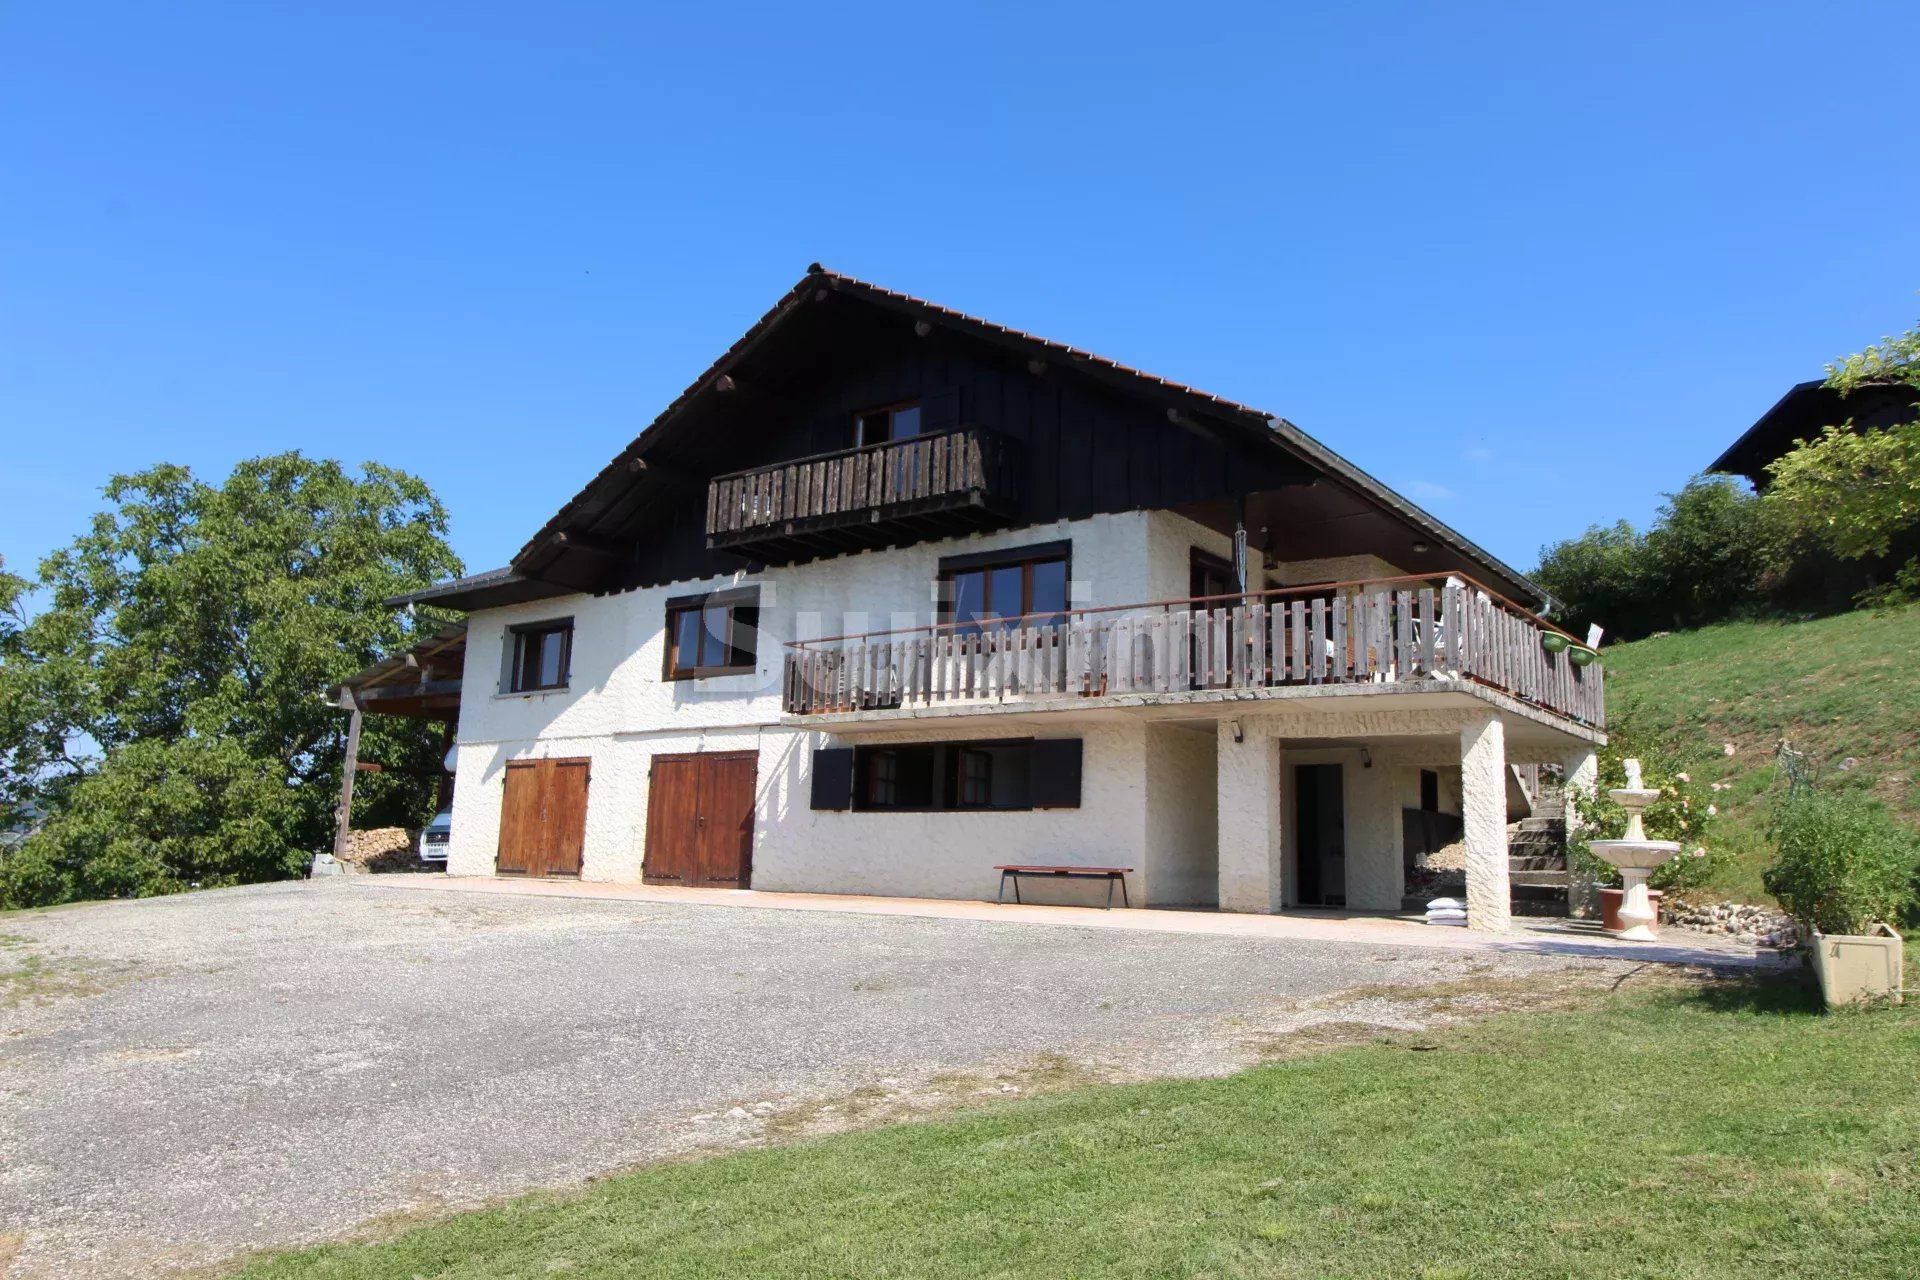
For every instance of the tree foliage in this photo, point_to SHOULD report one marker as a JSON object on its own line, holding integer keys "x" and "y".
{"x": 164, "y": 706}
{"x": 1706, "y": 559}
{"x": 1717, "y": 552}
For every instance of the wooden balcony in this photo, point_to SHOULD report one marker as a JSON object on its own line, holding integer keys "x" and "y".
{"x": 932, "y": 485}
{"x": 1407, "y": 633}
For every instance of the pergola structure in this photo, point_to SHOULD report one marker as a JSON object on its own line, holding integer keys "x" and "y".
{"x": 423, "y": 683}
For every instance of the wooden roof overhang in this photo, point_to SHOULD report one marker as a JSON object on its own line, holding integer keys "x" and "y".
{"x": 1314, "y": 500}
{"x": 422, "y": 682}
{"x": 1803, "y": 413}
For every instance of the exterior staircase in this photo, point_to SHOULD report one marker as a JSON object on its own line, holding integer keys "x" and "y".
{"x": 1537, "y": 860}
{"x": 1536, "y": 864}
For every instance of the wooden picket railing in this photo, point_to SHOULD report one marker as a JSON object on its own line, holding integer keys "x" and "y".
{"x": 1397, "y": 630}
{"x": 963, "y": 466}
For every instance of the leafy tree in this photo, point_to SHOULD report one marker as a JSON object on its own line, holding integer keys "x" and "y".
{"x": 165, "y": 706}
{"x": 1708, "y": 552}
{"x": 1599, "y": 577}
{"x": 18, "y": 751}
{"x": 1704, "y": 560}
{"x": 1859, "y": 492}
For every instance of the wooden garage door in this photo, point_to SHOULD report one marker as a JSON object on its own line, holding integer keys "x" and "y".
{"x": 543, "y": 818}
{"x": 700, "y": 819}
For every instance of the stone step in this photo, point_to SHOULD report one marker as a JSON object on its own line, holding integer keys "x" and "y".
{"x": 1536, "y": 862}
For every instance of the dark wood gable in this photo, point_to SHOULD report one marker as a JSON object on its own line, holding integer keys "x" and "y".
{"x": 1081, "y": 436}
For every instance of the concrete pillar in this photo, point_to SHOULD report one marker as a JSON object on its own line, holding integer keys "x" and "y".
{"x": 1483, "y": 809}
{"x": 1581, "y": 773}
{"x": 1248, "y": 795}
{"x": 1376, "y": 871}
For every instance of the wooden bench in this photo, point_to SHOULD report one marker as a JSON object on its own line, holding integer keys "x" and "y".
{"x": 1111, "y": 875}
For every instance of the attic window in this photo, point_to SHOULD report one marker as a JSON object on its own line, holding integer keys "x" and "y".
{"x": 889, "y": 422}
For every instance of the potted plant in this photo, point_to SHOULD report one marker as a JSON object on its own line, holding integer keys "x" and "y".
{"x": 1581, "y": 656}
{"x": 1554, "y": 642}
{"x": 1844, "y": 871}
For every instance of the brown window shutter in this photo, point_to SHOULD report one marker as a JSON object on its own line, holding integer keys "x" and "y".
{"x": 1056, "y": 773}
{"x": 833, "y": 778}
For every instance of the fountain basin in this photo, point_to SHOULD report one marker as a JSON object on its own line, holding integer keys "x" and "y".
{"x": 1641, "y": 854}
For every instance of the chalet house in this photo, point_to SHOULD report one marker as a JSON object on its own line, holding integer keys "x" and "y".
{"x": 891, "y": 595}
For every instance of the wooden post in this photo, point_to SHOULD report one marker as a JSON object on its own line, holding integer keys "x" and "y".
{"x": 344, "y": 825}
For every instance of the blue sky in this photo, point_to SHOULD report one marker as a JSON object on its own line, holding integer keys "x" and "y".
{"x": 1533, "y": 265}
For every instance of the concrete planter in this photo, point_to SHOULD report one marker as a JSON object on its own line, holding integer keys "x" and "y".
{"x": 1857, "y": 967}
{"x": 1610, "y": 900}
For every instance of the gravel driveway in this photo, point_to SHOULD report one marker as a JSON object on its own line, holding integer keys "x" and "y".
{"x": 182, "y": 1079}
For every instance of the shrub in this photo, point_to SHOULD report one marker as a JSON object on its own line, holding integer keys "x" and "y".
{"x": 1844, "y": 863}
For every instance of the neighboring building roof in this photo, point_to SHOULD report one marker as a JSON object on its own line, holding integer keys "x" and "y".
{"x": 615, "y": 481}
{"x": 1803, "y": 413}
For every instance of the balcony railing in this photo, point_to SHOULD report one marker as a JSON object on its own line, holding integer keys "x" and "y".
{"x": 956, "y": 479}
{"x": 1387, "y": 631}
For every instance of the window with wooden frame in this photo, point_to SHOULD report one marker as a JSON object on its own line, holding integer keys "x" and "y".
{"x": 888, "y": 422}
{"x": 715, "y": 634}
{"x": 992, "y": 588}
{"x": 540, "y": 656}
{"x": 945, "y": 776}
{"x": 1209, "y": 575}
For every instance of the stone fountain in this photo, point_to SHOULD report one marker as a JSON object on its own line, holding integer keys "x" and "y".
{"x": 1635, "y": 856}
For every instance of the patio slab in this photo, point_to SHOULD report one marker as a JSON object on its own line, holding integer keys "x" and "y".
{"x": 1546, "y": 937}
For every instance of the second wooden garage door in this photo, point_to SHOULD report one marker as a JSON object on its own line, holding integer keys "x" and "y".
{"x": 700, "y": 819}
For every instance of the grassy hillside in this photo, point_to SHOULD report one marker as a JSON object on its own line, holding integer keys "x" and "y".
{"x": 1844, "y": 689}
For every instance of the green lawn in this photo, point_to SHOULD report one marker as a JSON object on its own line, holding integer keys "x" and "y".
{"x": 1724, "y": 1131}
{"x": 1837, "y": 687}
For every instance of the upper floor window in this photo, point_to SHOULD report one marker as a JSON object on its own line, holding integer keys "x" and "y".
{"x": 713, "y": 634}
{"x": 889, "y": 422}
{"x": 542, "y": 656}
{"x": 990, "y": 589}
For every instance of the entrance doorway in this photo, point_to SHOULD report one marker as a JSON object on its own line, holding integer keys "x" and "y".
{"x": 1320, "y": 835}
{"x": 543, "y": 818}
{"x": 700, "y": 819}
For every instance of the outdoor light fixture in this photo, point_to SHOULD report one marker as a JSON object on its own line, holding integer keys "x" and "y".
{"x": 1366, "y": 758}
{"x": 1239, "y": 734}
{"x": 1420, "y": 545}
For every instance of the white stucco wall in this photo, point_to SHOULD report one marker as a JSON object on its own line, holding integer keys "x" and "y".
{"x": 1293, "y": 573}
{"x": 618, "y": 711}
{"x": 1182, "y": 839}
{"x": 1371, "y": 811}
{"x": 1251, "y": 791}
{"x": 952, "y": 854}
